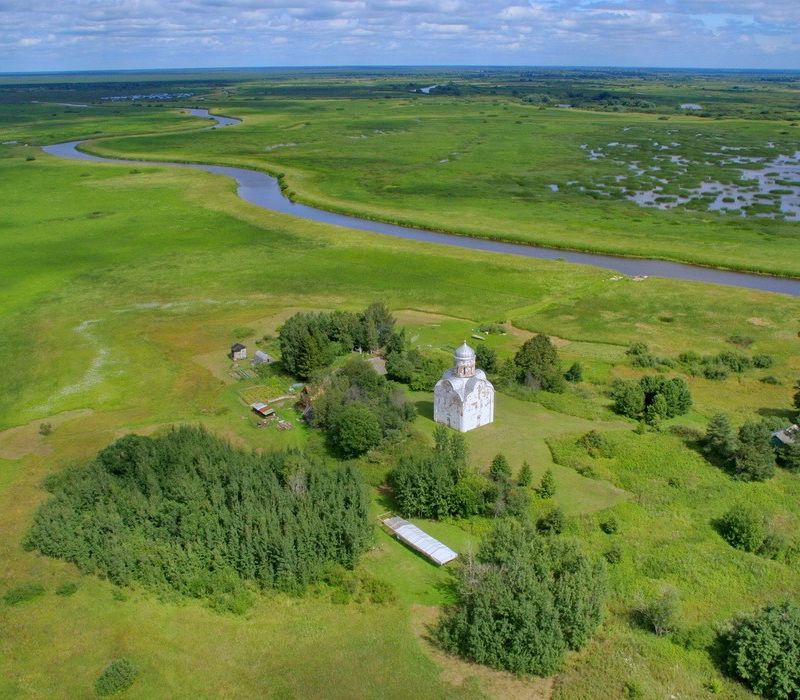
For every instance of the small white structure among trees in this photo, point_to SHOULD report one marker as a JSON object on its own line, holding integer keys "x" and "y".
{"x": 463, "y": 398}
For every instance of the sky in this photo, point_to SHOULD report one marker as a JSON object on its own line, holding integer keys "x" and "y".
{"x": 56, "y": 35}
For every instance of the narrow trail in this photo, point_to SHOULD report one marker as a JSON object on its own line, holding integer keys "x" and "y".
{"x": 264, "y": 191}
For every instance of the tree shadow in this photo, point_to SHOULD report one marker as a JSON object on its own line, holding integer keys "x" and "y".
{"x": 424, "y": 408}
{"x": 787, "y": 415}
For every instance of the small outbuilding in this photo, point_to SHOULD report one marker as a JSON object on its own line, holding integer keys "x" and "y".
{"x": 262, "y": 409}
{"x": 262, "y": 358}
{"x": 238, "y": 351}
{"x": 786, "y": 436}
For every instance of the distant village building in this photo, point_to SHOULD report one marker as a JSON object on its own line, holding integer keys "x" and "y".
{"x": 262, "y": 409}
{"x": 261, "y": 358}
{"x": 463, "y": 398}
{"x": 786, "y": 436}
{"x": 238, "y": 351}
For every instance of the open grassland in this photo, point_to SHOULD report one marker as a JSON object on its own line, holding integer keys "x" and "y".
{"x": 121, "y": 289}
{"x": 504, "y": 169}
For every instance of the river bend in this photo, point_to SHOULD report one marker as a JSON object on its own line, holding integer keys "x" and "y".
{"x": 264, "y": 191}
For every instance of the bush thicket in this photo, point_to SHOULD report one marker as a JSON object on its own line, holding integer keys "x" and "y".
{"x": 187, "y": 512}
{"x": 653, "y": 397}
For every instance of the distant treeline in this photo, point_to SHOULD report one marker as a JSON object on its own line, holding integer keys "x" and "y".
{"x": 188, "y": 512}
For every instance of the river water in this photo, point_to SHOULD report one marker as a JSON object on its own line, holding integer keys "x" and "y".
{"x": 263, "y": 190}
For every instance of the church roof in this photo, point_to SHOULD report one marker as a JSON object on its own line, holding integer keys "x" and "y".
{"x": 464, "y": 352}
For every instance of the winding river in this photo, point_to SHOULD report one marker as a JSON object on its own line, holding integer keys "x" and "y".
{"x": 263, "y": 190}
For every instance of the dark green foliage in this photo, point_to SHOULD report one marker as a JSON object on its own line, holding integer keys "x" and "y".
{"x": 763, "y": 650}
{"x": 754, "y": 459}
{"x": 355, "y": 430}
{"x": 23, "y": 593}
{"x": 628, "y": 398}
{"x": 595, "y": 444}
{"x": 613, "y": 555}
{"x": 486, "y": 358}
{"x": 187, "y": 512}
{"x": 653, "y": 397}
{"x": 359, "y": 408}
{"x": 743, "y": 527}
{"x": 500, "y": 469}
{"x": 538, "y": 366}
{"x": 547, "y": 486}
{"x": 770, "y": 379}
{"x": 311, "y": 341}
{"x": 552, "y": 522}
{"x": 658, "y": 615}
{"x": 796, "y": 398}
{"x": 720, "y": 439}
{"x": 119, "y": 675}
{"x": 524, "y": 601}
{"x": 734, "y": 361}
{"x": 789, "y": 456}
{"x": 67, "y": 589}
{"x": 743, "y": 341}
{"x": 436, "y": 483}
{"x": 410, "y": 366}
{"x": 642, "y": 357}
{"x": 763, "y": 361}
{"x": 45, "y": 429}
{"x": 525, "y": 476}
{"x": 574, "y": 373}
{"x": 609, "y": 524}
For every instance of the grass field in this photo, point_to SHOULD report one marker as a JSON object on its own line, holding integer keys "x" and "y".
{"x": 123, "y": 287}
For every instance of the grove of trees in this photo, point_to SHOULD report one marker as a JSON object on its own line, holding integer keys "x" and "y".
{"x": 358, "y": 409}
{"x": 311, "y": 341}
{"x": 651, "y": 398}
{"x": 187, "y": 512}
{"x": 524, "y": 601}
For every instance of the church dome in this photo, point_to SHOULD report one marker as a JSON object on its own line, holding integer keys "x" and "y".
{"x": 464, "y": 352}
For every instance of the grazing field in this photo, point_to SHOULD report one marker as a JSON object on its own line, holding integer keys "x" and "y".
{"x": 124, "y": 286}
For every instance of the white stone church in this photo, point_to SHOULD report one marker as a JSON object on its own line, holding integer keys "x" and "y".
{"x": 463, "y": 398}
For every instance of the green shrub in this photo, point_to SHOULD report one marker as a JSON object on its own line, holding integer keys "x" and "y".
{"x": 547, "y": 486}
{"x": 67, "y": 589}
{"x": 743, "y": 527}
{"x": 575, "y": 373}
{"x": 609, "y": 524}
{"x": 552, "y": 523}
{"x": 613, "y": 555}
{"x": 595, "y": 444}
{"x": 23, "y": 593}
{"x": 119, "y": 675}
{"x": 377, "y": 590}
{"x": 763, "y": 361}
{"x": 763, "y": 650}
{"x": 658, "y": 615}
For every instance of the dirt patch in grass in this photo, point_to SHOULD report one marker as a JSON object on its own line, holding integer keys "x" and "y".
{"x": 756, "y": 321}
{"x": 457, "y": 672}
{"x": 16, "y": 443}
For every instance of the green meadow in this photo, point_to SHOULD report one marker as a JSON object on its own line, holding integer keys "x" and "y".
{"x": 122, "y": 288}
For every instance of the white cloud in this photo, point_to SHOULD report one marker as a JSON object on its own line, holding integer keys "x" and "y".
{"x": 152, "y": 33}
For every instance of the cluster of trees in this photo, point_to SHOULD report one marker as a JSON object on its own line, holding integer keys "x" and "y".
{"x": 652, "y": 398}
{"x": 523, "y": 601}
{"x": 311, "y": 341}
{"x": 763, "y": 651}
{"x": 537, "y": 366}
{"x": 187, "y": 512}
{"x": 410, "y": 366}
{"x": 358, "y": 409}
{"x": 748, "y": 453}
{"x": 437, "y": 483}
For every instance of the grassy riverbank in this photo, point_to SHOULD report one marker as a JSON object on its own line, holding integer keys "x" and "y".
{"x": 487, "y": 167}
{"x": 122, "y": 288}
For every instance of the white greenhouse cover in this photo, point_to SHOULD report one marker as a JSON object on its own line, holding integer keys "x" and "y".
{"x": 420, "y": 540}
